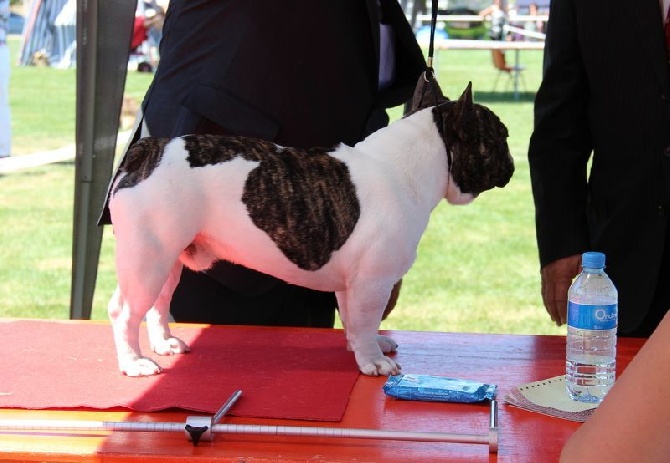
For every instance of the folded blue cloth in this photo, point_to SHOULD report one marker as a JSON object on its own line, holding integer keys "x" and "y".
{"x": 438, "y": 389}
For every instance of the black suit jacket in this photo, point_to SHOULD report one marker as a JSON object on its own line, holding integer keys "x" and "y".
{"x": 301, "y": 73}
{"x": 605, "y": 91}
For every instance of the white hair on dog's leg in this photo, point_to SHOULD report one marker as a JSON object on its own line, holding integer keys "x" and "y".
{"x": 386, "y": 344}
{"x": 144, "y": 263}
{"x": 341, "y": 297}
{"x": 365, "y": 302}
{"x": 158, "y": 317}
{"x": 126, "y": 328}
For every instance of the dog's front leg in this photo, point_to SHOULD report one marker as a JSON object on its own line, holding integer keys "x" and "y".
{"x": 158, "y": 318}
{"x": 361, "y": 308}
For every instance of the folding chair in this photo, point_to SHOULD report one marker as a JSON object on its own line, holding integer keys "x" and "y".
{"x": 514, "y": 72}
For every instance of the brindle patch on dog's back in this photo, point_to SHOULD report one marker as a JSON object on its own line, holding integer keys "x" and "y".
{"x": 303, "y": 199}
{"x": 142, "y": 158}
{"x": 207, "y": 150}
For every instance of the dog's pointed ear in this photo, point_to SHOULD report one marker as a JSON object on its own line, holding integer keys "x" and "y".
{"x": 464, "y": 110}
{"x": 426, "y": 94}
{"x": 465, "y": 102}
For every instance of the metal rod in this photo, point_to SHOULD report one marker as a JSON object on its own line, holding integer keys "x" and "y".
{"x": 225, "y": 408}
{"x": 356, "y": 433}
{"x": 77, "y": 425}
{"x": 493, "y": 423}
{"x": 307, "y": 431}
{"x": 493, "y": 427}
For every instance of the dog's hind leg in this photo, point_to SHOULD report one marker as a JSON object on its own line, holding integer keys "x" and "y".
{"x": 144, "y": 265}
{"x": 126, "y": 326}
{"x": 158, "y": 318}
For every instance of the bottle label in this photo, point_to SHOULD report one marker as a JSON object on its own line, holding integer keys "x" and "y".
{"x": 592, "y": 317}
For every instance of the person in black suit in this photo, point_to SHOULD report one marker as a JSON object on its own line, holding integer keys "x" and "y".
{"x": 301, "y": 73}
{"x": 605, "y": 91}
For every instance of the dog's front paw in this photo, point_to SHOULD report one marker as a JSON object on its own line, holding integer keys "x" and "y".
{"x": 386, "y": 344}
{"x": 383, "y": 366}
{"x": 141, "y": 366}
{"x": 170, "y": 346}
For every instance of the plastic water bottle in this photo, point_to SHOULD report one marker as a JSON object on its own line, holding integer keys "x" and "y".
{"x": 592, "y": 324}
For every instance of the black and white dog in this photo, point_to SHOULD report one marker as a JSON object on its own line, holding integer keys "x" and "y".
{"x": 347, "y": 220}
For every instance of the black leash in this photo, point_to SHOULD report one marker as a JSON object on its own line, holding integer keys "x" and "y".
{"x": 431, "y": 44}
{"x": 429, "y": 73}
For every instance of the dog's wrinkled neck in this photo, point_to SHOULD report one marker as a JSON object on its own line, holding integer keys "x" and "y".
{"x": 447, "y": 138}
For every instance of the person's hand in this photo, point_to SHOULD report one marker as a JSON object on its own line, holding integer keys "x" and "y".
{"x": 556, "y": 280}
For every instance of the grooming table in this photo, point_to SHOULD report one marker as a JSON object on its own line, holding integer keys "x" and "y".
{"x": 505, "y": 360}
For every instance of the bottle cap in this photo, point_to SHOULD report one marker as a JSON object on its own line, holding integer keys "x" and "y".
{"x": 593, "y": 260}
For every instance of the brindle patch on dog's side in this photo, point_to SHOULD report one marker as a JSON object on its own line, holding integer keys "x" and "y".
{"x": 303, "y": 199}
{"x": 142, "y": 158}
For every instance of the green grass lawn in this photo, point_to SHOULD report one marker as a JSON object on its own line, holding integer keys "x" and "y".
{"x": 477, "y": 269}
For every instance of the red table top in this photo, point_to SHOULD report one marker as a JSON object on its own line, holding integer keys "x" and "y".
{"x": 505, "y": 360}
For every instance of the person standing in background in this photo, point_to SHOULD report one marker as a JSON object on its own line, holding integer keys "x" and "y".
{"x": 495, "y": 13}
{"x": 534, "y": 25}
{"x": 300, "y": 73}
{"x": 605, "y": 98}
{"x": 5, "y": 114}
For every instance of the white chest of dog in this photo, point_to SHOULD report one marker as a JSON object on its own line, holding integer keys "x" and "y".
{"x": 348, "y": 220}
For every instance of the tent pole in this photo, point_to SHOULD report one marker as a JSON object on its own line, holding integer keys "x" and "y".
{"x": 104, "y": 29}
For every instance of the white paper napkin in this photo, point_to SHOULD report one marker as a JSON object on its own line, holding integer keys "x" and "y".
{"x": 550, "y": 397}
